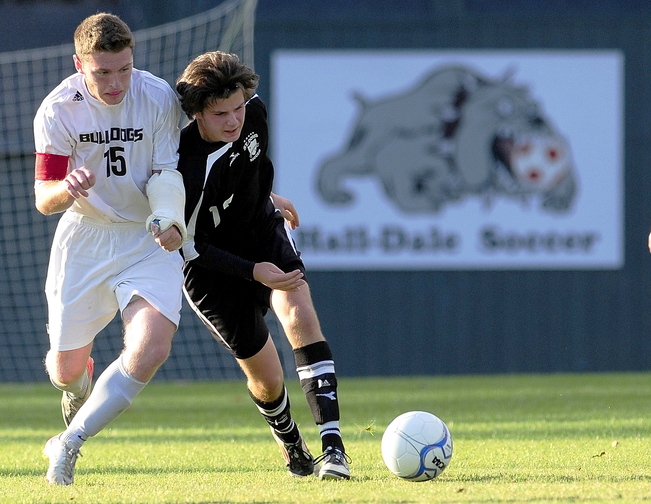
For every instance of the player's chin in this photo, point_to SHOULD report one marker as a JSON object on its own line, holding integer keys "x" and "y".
{"x": 112, "y": 99}
{"x": 233, "y": 135}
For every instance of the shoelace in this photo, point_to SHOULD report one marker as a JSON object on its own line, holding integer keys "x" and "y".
{"x": 67, "y": 463}
{"x": 335, "y": 453}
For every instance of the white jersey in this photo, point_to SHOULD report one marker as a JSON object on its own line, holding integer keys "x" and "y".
{"x": 115, "y": 142}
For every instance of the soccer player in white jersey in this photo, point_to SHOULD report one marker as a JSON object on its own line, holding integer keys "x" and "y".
{"x": 106, "y": 156}
{"x": 241, "y": 260}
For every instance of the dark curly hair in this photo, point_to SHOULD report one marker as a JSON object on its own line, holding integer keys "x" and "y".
{"x": 213, "y": 76}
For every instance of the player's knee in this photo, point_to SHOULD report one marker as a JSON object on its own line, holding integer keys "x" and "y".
{"x": 158, "y": 352}
{"x": 267, "y": 388}
{"x": 303, "y": 319}
{"x": 142, "y": 360}
{"x": 63, "y": 372}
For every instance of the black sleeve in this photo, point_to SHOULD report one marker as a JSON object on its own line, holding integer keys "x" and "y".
{"x": 216, "y": 259}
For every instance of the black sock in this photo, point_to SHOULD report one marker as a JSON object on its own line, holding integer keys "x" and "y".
{"x": 316, "y": 372}
{"x": 278, "y": 416}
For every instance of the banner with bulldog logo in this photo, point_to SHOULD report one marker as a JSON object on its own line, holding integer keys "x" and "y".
{"x": 451, "y": 160}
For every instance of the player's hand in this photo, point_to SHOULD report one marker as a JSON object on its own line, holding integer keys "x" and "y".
{"x": 287, "y": 210}
{"x": 170, "y": 239}
{"x": 273, "y": 277}
{"x": 78, "y": 182}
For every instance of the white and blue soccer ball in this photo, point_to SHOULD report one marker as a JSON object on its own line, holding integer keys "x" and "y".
{"x": 417, "y": 446}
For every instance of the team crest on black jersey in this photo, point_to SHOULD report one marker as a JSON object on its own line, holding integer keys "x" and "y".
{"x": 252, "y": 145}
{"x": 78, "y": 97}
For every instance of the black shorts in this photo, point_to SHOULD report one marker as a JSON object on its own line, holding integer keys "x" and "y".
{"x": 233, "y": 308}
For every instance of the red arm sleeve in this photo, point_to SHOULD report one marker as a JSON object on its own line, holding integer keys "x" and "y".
{"x": 51, "y": 167}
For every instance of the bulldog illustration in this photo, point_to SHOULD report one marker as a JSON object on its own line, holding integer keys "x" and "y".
{"x": 455, "y": 134}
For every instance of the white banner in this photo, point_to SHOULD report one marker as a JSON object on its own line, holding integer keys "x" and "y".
{"x": 451, "y": 160}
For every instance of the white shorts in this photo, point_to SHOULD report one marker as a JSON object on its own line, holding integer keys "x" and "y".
{"x": 96, "y": 268}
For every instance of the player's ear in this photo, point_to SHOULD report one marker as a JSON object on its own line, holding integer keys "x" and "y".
{"x": 77, "y": 61}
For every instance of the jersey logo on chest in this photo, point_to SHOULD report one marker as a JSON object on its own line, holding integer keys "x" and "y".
{"x": 252, "y": 145}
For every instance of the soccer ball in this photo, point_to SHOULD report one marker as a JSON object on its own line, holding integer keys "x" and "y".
{"x": 417, "y": 446}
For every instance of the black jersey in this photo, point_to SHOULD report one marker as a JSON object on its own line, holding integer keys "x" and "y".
{"x": 236, "y": 207}
{"x": 235, "y": 225}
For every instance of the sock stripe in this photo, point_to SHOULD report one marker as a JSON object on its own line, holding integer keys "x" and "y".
{"x": 277, "y": 410}
{"x": 316, "y": 369}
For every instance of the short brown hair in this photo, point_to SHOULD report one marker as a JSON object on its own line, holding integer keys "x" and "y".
{"x": 102, "y": 32}
{"x": 212, "y": 76}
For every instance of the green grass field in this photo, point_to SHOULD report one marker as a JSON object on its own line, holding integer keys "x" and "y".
{"x": 517, "y": 438}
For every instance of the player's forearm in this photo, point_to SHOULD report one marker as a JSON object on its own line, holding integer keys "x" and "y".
{"x": 216, "y": 259}
{"x": 52, "y": 197}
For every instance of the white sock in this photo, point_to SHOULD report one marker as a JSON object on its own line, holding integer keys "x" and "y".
{"x": 78, "y": 387}
{"x": 113, "y": 393}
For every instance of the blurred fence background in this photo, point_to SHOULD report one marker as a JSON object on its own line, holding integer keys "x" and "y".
{"x": 379, "y": 322}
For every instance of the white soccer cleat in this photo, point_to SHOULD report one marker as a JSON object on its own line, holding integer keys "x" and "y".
{"x": 62, "y": 462}
{"x": 335, "y": 464}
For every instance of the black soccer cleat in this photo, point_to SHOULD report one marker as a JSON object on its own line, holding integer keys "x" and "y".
{"x": 299, "y": 460}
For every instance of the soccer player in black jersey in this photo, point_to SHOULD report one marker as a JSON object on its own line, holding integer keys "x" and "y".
{"x": 241, "y": 259}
